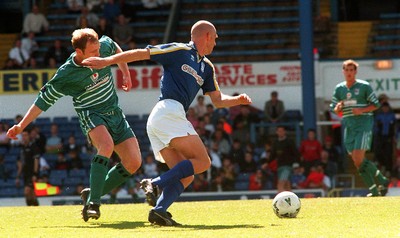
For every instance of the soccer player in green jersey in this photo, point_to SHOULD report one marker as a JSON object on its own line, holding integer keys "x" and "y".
{"x": 101, "y": 119}
{"x": 356, "y": 100}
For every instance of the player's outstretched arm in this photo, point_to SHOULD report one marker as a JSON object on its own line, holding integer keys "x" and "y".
{"x": 31, "y": 115}
{"x": 221, "y": 100}
{"x": 124, "y": 57}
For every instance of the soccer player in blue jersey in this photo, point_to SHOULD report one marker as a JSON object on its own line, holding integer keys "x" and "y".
{"x": 356, "y": 100}
{"x": 101, "y": 119}
{"x": 172, "y": 136}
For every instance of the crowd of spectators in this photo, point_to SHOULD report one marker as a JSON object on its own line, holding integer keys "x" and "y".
{"x": 107, "y": 17}
{"x": 275, "y": 162}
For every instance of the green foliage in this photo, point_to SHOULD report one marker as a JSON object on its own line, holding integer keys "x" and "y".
{"x": 320, "y": 217}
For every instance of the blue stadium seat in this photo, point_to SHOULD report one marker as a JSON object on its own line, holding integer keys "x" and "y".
{"x": 81, "y": 173}
{"x": 9, "y": 192}
{"x": 59, "y": 174}
{"x": 240, "y": 186}
{"x": 72, "y": 182}
{"x": 43, "y": 121}
{"x": 16, "y": 150}
{"x": 9, "y": 158}
{"x": 3, "y": 150}
{"x": 243, "y": 177}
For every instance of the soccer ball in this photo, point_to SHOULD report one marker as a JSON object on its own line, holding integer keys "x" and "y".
{"x": 286, "y": 205}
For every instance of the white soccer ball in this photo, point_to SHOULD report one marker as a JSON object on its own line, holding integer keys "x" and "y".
{"x": 286, "y": 204}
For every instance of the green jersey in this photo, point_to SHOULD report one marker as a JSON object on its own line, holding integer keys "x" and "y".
{"x": 91, "y": 90}
{"x": 357, "y": 96}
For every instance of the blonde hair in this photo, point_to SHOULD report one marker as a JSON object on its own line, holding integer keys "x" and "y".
{"x": 81, "y": 37}
{"x": 349, "y": 62}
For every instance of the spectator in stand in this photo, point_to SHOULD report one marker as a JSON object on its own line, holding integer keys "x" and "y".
{"x": 298, "y": 176}
{"x": 200, "y": 106}
{"x": 208, "y": 125}
{"x": 274, "y": 109}
{"x": 385, "y": 127}
{"x": 217, "y": 114}
{"x": 192, "y": 117}
{"x": 104, "y": 28}
{"x": 248, "y": 165}
{"x": 310, "y": 150}
{"x": 236, "y": 152}
{"x": 29, "y": 44}
{"x": 330, "y": 167}
{"x": 224, "y": 145}
{"x": 4, "y": 140}
{"x": 54, "y": 143}
{"x": 75, "y": 6}
{"x": 240, "y": 132}
{"x": 56, "y": 55}
{"x": 150, "y": 167}
{"x": 225, "y": 177}
{"x": 247, "y": 116}
{"x": 256, "y": 181}
{"x": 11, "y": 64}
{"x": 316, "y": 179}
{"x": 35, "y": 22}
{"x": 32, "y": 63}
{"x": 28, "y": 168}
{"x": 122, "y": 32}
{"x": 19, "y": 55}
{"x": 333, "y": 153}
{"x": 72, "y": 145}
{"x": 268, "y": 166}
{"x": 62, "y": 162}
{"x": 87, "y": 19}
{"x": 285, "y": 152}
{"x": 74, "y": 160}
{"x": 111, "y": 11}
{"x": 215, "y": 156}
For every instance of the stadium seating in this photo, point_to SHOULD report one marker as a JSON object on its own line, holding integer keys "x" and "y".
{"x": 385, "y": 40}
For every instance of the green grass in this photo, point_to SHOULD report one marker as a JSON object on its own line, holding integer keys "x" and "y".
{"x": 319, "y": 217}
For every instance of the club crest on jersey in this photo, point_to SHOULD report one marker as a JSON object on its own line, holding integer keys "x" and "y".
{"x": 348, "y": 95}
{"x": 202, "y": 67}
{"x": 187, "y": 69}
{"x": 356, "y": 91}
{"x": 94, "y": 77}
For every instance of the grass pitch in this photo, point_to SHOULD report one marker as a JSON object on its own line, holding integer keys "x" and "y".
{"x": 318, "y": 217}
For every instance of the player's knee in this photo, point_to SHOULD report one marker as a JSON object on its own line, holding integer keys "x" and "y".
{"x": 132, "y": 164}
{"x": 106, "y": 149}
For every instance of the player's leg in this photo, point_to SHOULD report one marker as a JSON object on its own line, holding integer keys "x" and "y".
{"x": 196, "y": 160}
{"x": 104, "y": 144}
{"x": 129, "y": 153}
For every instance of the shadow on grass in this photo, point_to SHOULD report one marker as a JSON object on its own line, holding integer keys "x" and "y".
{"x": 138, "y": 224}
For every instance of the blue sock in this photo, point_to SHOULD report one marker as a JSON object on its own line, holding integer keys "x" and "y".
{"x": 168, "y": 196}
{"x": 182, "y": 170}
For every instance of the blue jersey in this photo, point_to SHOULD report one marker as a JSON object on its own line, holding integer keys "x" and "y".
{"x": 185, "y": 72}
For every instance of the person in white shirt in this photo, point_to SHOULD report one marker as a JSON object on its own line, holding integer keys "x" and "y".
{"x": 19, "y": 54}
{"x": 35, "y": 22}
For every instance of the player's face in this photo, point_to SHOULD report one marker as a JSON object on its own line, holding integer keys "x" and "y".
{"x": 92, "y": 50}
{"x": 349, "y": 72}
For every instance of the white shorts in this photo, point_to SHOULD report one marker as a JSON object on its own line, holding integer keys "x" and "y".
{"x": 166, "y": 121}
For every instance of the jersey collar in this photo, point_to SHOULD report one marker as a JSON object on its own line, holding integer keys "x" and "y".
{"x": 199, "y": 58}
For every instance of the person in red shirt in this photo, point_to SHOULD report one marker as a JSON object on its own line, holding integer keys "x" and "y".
{"x": 256, "y": 181}
{"x": 310, "y": 150}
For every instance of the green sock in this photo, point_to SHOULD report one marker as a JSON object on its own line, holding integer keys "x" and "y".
{"x": 115, "y": 177}
{"x": 375, "y": 172}
{"x": 98, "y": 172}
{"x": 368, "y": 178}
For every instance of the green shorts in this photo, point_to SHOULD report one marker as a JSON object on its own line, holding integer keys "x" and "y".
{"x": 284, "y": 172}
{"x": 114, "y": 121}
{"x": 357, "y": 139}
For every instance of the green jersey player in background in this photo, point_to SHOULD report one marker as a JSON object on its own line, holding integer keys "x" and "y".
{"x": 356, "y": 100}
{"x": 101, "y": 119}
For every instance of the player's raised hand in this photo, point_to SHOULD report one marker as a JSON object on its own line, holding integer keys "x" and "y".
{"x": 14, "y": 131}
{"x": 94, "y": 62}
{"x": 244, "y": 99}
